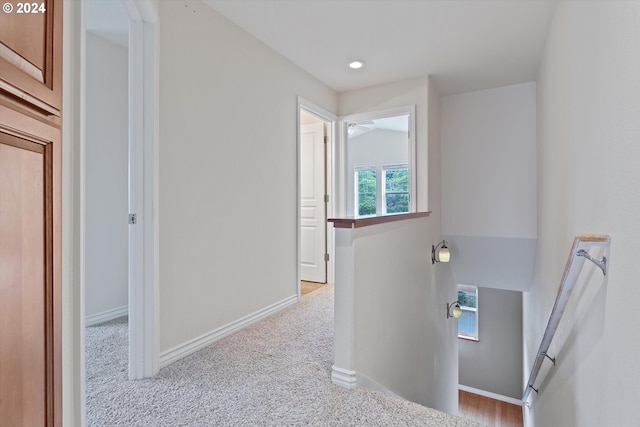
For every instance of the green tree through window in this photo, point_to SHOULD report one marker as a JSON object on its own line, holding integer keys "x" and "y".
{"x": 467, "y": 299}
{"x": 366, "y": 192}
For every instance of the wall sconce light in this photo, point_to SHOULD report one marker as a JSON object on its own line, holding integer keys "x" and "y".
{"x": 454, "y": 310}
{"x": 440, "y": 255}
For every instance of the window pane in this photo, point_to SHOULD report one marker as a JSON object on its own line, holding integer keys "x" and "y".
{"x": 467, "y": 299}
{"x": 397, "y": 181}
{"x": 467, "y": 323}
{"x": 366, "y": 192}
{"x": 397, "y": 203}
{"x": 396, "y": 184}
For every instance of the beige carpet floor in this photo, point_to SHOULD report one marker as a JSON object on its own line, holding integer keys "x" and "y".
{"x": 274, "y": 373}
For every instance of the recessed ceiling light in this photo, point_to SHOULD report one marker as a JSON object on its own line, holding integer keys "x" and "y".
{"x": 356, "y": 64}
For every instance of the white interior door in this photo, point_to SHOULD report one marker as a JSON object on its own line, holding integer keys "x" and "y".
{"x": 312, "y": 208}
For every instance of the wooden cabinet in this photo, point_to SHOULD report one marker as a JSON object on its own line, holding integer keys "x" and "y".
{"x": 30, "y": 56}
{"x": 30, "y": 216}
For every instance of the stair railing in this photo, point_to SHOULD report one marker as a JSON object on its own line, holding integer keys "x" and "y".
{"x": 579, "y": 252}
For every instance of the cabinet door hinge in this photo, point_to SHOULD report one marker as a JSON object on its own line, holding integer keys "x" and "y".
{"x": 326, "y": 257}
{"x": 132, "y": 219}
{"x": 326, "y": 198}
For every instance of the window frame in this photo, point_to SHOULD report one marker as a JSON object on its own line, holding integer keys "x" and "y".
{"x": 470, "y": 289}
{"x": 381, "y": 186}
{"x": 346, "y": 173}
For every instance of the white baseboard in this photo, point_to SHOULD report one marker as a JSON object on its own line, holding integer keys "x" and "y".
{"x": 490, "y": 395}
{"x": 367, "y": 382}
{"x": 105, "y": 316}
{"x": 191, "y": 346}
{"x": 344, "y": 377}
{"x": 352, "y": 379}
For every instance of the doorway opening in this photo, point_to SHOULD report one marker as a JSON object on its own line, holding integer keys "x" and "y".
{"x": 118, "y": 176}
{"x": 106, "y": 162}
{"x": 316, "y": 135}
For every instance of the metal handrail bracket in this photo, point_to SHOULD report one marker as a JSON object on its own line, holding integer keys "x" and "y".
{"x": 579, "y": 252}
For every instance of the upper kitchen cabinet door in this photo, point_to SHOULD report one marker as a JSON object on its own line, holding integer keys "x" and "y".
{"x": 31, "y": 54}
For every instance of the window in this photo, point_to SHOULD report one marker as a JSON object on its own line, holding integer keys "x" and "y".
{"x": 393, "y": 191}
{"x": 468, "y": 322}
{"x": 366, "y": 189}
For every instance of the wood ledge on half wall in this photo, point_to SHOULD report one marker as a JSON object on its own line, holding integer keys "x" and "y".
{"x": 351, "y": 222}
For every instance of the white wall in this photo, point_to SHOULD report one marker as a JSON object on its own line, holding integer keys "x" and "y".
{"x": 488, "y": 161}
{"x": 228, "y": 164}
{"x": 398, "y": 322}
{"x": 589, "y": 181}
{"x": 494, "y": 262}
{"x": 494, "y": 363}
{"x": 403, "y": 341}
{"x": 106, "y": 285}
{"x": 377, "y": 146}
{"x": 489, "y": 185}
{"x": 444, "y": 345}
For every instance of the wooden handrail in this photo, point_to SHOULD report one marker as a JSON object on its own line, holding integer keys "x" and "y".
{"x": 579, "y": 252}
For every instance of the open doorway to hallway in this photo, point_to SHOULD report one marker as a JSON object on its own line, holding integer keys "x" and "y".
{"x": 315, "y": 143}
{"x": 313, "y": 205}
{"x": 107, "y": 187}
{"x": 139, "y": 216}
{"x": 106, "y": 162}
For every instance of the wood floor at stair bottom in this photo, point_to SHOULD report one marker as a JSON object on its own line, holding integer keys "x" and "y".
{"x": 491, "y": 412}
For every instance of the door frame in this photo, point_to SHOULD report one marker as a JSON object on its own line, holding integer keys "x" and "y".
{"x": 144, "y": 349}
{"x": 143, "y": 305}
{"x": 331, "y": 118}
